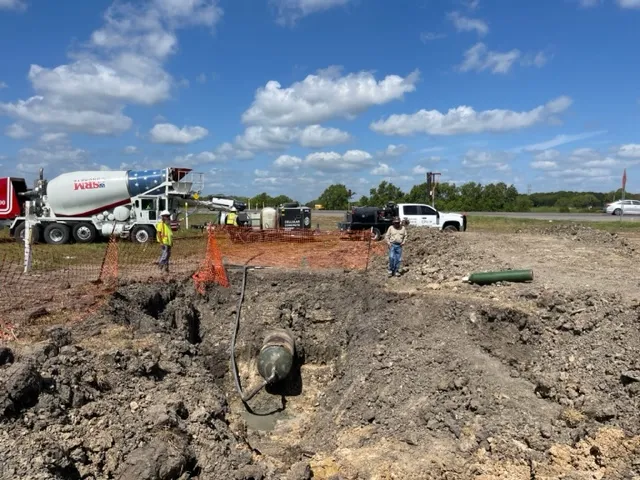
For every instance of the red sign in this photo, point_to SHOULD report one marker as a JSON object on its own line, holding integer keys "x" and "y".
{"x": 9, "y": 204}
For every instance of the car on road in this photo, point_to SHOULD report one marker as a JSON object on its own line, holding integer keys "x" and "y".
{"x": 630, "y": 207}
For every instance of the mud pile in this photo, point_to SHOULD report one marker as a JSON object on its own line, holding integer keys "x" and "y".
{"x": 585, "y": 234}
{"x": 438, "y": 257}
{"x": 386, "y": 385}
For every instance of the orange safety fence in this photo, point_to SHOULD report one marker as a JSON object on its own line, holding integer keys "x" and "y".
{"x": 71, "y": 282}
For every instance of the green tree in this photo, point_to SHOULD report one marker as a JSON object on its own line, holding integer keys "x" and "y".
{"x": 523, "y": 204}
{"x": 280, "y": 199}
{"x": 335, "y": 197}
{"x": 385, "y": 192}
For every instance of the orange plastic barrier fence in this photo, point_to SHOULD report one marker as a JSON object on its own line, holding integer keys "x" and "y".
{"x": 71, "y": 282}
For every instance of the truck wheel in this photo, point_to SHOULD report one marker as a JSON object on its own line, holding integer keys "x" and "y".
{"x": 451, "y": 228}
{"x": 142, "y": 234}
{"x": 375, "y": 235}
{"x": 84, "y": 233}
{"x": 18, "y": 233}
{"x": 57, "y": 234}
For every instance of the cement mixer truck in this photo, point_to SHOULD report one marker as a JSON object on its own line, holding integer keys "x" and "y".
{"x": 84, "y": 205}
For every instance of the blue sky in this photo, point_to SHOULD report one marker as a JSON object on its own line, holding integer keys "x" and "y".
{"x": 289, "y": 96}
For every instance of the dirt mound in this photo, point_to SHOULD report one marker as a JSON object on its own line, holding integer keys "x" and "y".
{"x": 437, "y": 257}
{"x": 385, "y": 385}
{"x": 585, "y": 234}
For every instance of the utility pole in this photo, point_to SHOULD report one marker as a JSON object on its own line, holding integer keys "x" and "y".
{"x": 432, "y": 181}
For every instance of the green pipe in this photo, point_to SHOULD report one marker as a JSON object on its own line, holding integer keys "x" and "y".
{"x": 486, "y": 278}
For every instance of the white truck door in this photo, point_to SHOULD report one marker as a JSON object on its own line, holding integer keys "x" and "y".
{"x": 428, "y": 216}
{"x": 411, "y": 213}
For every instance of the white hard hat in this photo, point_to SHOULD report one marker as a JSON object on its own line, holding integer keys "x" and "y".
{"x": 165, "y": 213}
{"x": 233, "y": 209}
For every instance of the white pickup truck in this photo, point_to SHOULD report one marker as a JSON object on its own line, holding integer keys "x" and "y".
{"x": 422, "y": 215}
{"x": 378, "y": 220}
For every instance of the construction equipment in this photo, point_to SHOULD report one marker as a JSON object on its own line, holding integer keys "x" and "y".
{"x": 486, "y": 278}
{"x": 84, "y": 205}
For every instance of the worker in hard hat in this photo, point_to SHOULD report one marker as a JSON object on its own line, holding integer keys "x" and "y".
{"x": 232, "y": 217}
{"x": 396, "y": 237}
{"x": 165, "y": 239}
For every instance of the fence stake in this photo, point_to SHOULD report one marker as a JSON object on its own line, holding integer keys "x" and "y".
{"x": 28, "y": 232}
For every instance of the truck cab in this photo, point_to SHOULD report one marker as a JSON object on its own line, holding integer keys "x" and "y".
{"x": 422, "y": 215}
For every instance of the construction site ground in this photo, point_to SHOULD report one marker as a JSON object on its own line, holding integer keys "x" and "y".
{"x": 417, "y": 377}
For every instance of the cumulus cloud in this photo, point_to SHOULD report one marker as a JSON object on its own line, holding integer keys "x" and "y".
{"x": 130, "y": 149}
{"x": 170, "y": 134}
{"x": 630, "y": 150}
{"x": 3, "y": 85}
{"x": 324, "y": 96}
{"x": 193, "y": 159}
{"x": 393, "y": 151}
{"x": 560, "y": 140}
{"x": 290, "y": 11}
{"x": 633, "y": 4}
{"x": 332, "y": 161}
{"x": 17, "y": 132}
{"x": 383, "y": 170}
{"x": 479, "y": 58}
{"x": 51, "y": 137}
{"x": 465, "y": 120}
{"x": 544, "y": 164}
{"x": 121, "y": 64}
{"x": 287, "y": 162}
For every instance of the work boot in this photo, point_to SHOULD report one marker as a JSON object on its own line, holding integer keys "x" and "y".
{"x": 390, "y": 273}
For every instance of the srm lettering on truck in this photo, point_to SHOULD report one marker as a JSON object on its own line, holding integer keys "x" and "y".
{"x": 88, "y": 184}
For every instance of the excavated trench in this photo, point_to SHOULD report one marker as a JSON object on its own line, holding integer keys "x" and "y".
{"x": 384, "y": 385}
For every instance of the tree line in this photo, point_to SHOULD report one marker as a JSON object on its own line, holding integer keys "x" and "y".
{"x": 471, "y": 196}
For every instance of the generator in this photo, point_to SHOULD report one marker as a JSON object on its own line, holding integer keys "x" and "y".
{"x": 294, "y": 216}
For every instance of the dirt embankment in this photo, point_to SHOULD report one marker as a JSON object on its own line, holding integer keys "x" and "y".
{"x": 387, "y": 384}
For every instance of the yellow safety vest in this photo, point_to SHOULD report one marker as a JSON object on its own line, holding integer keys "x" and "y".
{"x": 231, "y": 219}
{"x": 165, "y": 234}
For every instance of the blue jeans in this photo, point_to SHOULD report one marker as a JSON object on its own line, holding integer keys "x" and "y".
{"x": 165, "y": 256}
{"x": 395, "y": 257}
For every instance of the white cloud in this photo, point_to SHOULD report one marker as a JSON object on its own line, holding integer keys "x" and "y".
{"x": 123, "y": 63}
{"x": 290, "y": 11}
{"x": 287, "y": 162}
{"x": 17, "y": 132}
{"x": 383, "y": 170}
{"x": 130, "y": 150}
{"x": 261, "y": 173}
{"x": 193, "y": 160}
{"x": 324, "y": 96}
{"x": 393, "y": 151}
{"x": 52, "y": 156}
{"x": 465, "y": 120}
{"x": 560, "y": 140}
{"x": 272, "y": 138}
{"x": 466, "y": 24}
{"x": 419, "y": 170}
{"x": 629, "y": 151}
{"x": 431, "y": 36}
{"x": 589, "y": 3}
{"x": 539, "y": 60}
{"x": 170, "y": 134}
{"x": 19, "y": 5}
{"x": 544, "y": 165}
{"x": 332, "y": 161}
{"x": 202, "y": 78}
{"x": 629, "y": 3}
{"x": 3, "y": 85}
{"x": 53, "y": 137}
{"x": 480, "y": 58}
{"x": 315, "y": 136}
{"x": 547, "y": 155}
{"x": 480, "y": 159}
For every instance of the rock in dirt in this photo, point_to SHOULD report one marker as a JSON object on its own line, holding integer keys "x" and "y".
{"x": 19, "y": 387}
{"x": 165, "y": 457}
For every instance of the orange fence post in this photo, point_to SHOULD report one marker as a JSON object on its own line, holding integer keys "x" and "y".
{"x": 109, "y": 268}
{"x": 212, "y": 269}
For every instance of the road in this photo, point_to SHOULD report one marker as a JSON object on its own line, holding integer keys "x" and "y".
{"x": 574, "y": 217}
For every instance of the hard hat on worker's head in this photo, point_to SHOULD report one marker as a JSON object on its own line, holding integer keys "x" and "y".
{"x": 165, "y": 213}
{"x": 234, "y": 209}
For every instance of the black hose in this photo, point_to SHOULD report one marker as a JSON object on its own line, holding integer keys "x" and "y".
{"x": 245, "y": 397}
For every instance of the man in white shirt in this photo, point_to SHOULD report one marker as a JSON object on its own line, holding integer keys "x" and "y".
{"x": 396, "y": 237}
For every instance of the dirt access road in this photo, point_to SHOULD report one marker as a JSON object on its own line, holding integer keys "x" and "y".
{"x": 417, "y": 377}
